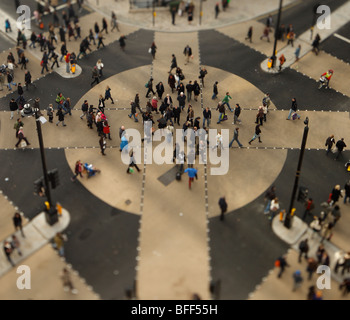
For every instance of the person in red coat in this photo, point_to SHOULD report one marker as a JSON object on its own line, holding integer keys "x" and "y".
{"x": 106, "y": 130}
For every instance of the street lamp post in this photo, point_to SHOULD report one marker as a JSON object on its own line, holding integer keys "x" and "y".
{"x": 274, "y": 58}
{"x": 200, "y": 11}
{"x": 51, "y": 212}
{"x": 288, "y": 218}
{"x": 153, "y": 11}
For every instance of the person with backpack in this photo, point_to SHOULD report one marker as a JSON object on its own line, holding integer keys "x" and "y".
{"x": 340, "y": 145}
{"x": 281, "y": 263}
{"x": 303, "y": 249}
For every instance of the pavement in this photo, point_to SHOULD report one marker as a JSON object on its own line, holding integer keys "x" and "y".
{"x": 271, "y": 288}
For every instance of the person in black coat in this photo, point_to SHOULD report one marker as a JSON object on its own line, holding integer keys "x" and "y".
{"x": 173, "y": 63}
{"x": 176, "y": 113}
{"x": 202, "y": 74}
{"x": 13, "y": 107}
{"x": 182, "y": 100}
{"x": 160, "y": 89}
{"x": 60, "y": 116}
{"x": 223, "y": 207}
{"x": 340, "y": 146}
{"x": 150, "y": 87}
{"x": 168, "y": 100}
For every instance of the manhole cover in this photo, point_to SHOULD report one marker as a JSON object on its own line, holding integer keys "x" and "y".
{"x": 127, "y": 202}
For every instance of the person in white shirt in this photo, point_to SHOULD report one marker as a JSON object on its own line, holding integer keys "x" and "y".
{"x": 100, "y": 66}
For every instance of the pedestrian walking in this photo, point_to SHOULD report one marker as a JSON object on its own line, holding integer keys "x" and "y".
{"x": 329, "y": 143}
{"x": 101, "y": 104}
{"x": 8, "y": 25}
{"x": 235, "y": 138}
{"x": 103, "y": 144}
{"x": 274, "y": 208}
{"x": 182, "y": 100}
{"x": 55, "y": 60}
{"x": 290, "y": 38}
{"x": 346, "y": 264}
{"x": 315, "y": 225}
{"x": 265, "y": 34}
{"x": 44, "y": 62}
{"x": 84, "y": 109}
{"x": 215, "y": 90}
{"x": 256, "y": 134}
{"x": 67, "y": 281}
{"x": 49, "y": 112}
{"x": 315, "y": 44}
{"x": 133, "y": 111}
{"x": 132, "y": 163}
{"x": 282, "y": 60}
{"x": 78, "y": 169}
{"x": 297, "y": 280}
{"x": 58, "y": 243}
{"x": 282, "y": 263}
{"x": 16, "y": 244}
{"x": 104, "y": 26}
{"x": 217, "y": 10}
{"x": 8, "y": 251}
{"x": 223, "y": 207}
{"x": 206, "y": 117}
{"x": 114, "y": 22}
{"x": 17, "y": 222}
{"x": 297, "y": 53}
{"x": 335, "y": 195}
{"x": 189, "y": 90}
{"x": 160, "y": 90}
{"x": 192, "y": 173}
{"x": 95, "y": 76}
{"x": 260, "y": 116}
{"x": 340, "y": 145}
{"x": 10, "y": 81}
{"x": 122, "y": 43}
{"x": 188, "y": 53}
{"x": 173, "y": 14}
{"x": 100, "y": 66}
{"x": 309, "y": 206}
{"x": 202, "y": 73}
{"x": 20, "y": 138}
{"x": 269, "y": 196}
{"x": 221, "y": 108}
{"x": 154, "y": 104}
{"x": 226, "y": 100}
{"x": 60, "y": 116}
{"x": 100, "y": 41}
{"x": 171, "y": 82}
{"x": 108, "y": 94}
{"x": 249, "y": 34}
{"x": 303, "y": 249}
{"x": 153, "y": 50}
{"x": 236, "y": 114}
{"x": 173, "y": 64}
{"x": 106, "y": 130}
{"x": 149, "y": 86}
{"x": 13, "y": 108}
{"x": 196, "y": 90}
{"x": 293, "y": 109}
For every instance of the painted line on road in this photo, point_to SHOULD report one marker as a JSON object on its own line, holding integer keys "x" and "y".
{"x": 337, "y": 35}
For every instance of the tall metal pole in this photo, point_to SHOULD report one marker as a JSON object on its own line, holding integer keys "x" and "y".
{"x": 153, "y": 11}
{"x": 287, "y": 221}
{"x": 200, "y": 11}
{"x": 43, "y": 160}
{"x": 274, "y": 58}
